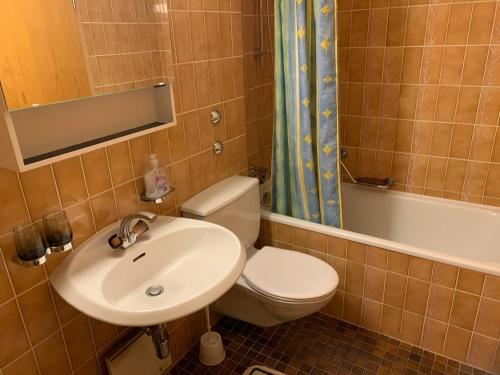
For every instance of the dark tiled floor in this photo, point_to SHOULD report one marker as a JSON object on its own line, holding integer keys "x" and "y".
{"x": 318, "y": 345}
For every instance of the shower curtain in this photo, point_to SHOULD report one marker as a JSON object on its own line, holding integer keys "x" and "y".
{"x": 305, "y": 149}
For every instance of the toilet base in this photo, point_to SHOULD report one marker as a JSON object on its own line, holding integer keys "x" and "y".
{"x": 248, "y": 306}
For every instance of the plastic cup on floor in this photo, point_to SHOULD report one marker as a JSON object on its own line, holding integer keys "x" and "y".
{"x": 211, "y": 349}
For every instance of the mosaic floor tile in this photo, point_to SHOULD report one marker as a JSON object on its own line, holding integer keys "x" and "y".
{"x": 318, "y": 345}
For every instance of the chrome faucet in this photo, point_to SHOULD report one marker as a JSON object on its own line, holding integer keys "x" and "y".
{"x": 127, "y": 237}
{"x": 260, "y": 173}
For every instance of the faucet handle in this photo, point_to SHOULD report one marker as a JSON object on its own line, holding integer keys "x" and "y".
{"x": 140, "y": 227}
{"x": 144, "y": 215}
{"x": 126, "y": 237}
{"x": 115, "y": 241}
{"x": 258, "y": 172}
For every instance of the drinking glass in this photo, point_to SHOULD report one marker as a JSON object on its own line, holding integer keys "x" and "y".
{"x": 57, "y": 229}
{"x": 30, "y": 246}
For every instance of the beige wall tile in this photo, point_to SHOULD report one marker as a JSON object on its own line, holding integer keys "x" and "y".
{"x": 459, "y": 21}
{"x": 318, "y": 242}
{"x": 356, "y": 252}
{"x": 12, "y": 207}
{"x": 91, "y": 367}
{"x": 482, "y": 351}
{"x": 22, "y": 278}
{"x": 470, "y": 281}
{"x": 398, "y": 263}
{"x": 40, "y": 191}
{"x": 339, "y": 265}
{"x": 336, "y": 306}
{"x": 395, "y": 289}
{"x": 139, "y": 151}
{"x": 420, "y": 268}
{"x": 436, "y": 23}
{"x": 370, "y": 317}
{"x": 38, "y": 313}
{"x": 359, "y": 28}
{"x": 444, "y": 274}
{"x": 181, "y": 180}
{"x": 337, "y": 247}
{"x": 25, "y": 365}
{"x": 488, "y": 318}
{"x": 355, "y": 278}
{"x": 440, "y": 302}
{"x": 417, "y": 293}
{"x": 102, "y": 333}
{"x": 103, "y": 209}
{"x": 120, "y": 163}
{"x": 411, "y": 328}
{"x": 51, "y": 356}
{"x": 352, "y": 308}
{"x": 374, "y": 284}
{"x": 182, "y": 40}
{"x": 70, "y": 181}
{"x": 96, "y": 168}
{"x": 463, "y": 313}
{"x": 457, "y": 343}
{"x": 78, "y": 340}
{"x": 126, "y": 197}
{"x": 391, "y": 321}
{"x": 481, "y": 23}
{"x": 13, "y": 341}
{"x": 6, "y": 291}
{"x": 284, "y": 233}
{"x": 434, "y": 335}
{"x": 492, "y": 287}
{"x": 492, "y": 183}
{"x": 187, "y": 86}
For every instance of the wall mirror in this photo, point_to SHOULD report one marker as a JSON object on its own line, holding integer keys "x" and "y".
{"x": 60, "y": 50}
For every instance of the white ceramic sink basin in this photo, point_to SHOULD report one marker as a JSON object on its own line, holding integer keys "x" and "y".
{"x": 194, "y": 261}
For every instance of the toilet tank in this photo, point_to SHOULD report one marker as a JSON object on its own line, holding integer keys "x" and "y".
{"x": 233, "y": 203}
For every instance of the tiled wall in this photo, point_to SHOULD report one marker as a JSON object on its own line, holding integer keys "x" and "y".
{"x": 41, "y": 334}
{"x": 127, "y": 43}
{"x": 259, "y": 82}
{"x": 420, "y": 94}
{"x": 450, "y": 311}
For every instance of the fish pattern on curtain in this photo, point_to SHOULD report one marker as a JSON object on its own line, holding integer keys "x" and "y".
{"x": 305, "y": 149}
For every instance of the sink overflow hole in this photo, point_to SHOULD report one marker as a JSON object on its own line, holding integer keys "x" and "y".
{"x": 154, "y": 290}
{"x": 138, "y": 257}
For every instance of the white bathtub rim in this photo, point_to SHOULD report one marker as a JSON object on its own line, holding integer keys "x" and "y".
{"x": 489, "y": 268}
{"x": 491, "y": 210}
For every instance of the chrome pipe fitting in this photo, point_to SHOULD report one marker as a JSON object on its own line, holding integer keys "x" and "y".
{"x": 159, "y": 336}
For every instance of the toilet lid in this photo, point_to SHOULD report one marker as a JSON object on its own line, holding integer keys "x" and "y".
{"x": 290, "y": 275}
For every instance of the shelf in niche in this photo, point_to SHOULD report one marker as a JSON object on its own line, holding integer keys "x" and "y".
{"x": 94, "y": 142}
{"x": 33, "y": 137}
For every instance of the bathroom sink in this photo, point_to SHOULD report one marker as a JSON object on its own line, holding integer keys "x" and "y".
{"x": 179, "y": 266}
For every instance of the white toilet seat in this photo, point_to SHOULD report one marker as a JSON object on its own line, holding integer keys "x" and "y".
{"x": 290, "y": 276}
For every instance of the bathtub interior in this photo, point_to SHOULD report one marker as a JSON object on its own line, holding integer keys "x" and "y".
{"x": 454, "y": 228}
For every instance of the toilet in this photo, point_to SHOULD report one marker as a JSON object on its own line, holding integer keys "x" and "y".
{"x": 277, "y": 285}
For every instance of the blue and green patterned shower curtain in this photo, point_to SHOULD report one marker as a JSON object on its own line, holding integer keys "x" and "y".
{"x": 305, "y": 149}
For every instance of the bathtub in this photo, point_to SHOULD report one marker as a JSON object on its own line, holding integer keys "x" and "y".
{"x": 457, "y": 233}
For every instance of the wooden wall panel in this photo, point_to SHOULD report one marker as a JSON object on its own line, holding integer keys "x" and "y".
{"x": 41, "y": 59}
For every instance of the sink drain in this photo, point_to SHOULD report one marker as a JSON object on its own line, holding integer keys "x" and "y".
{"x": 154, "y": 290}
